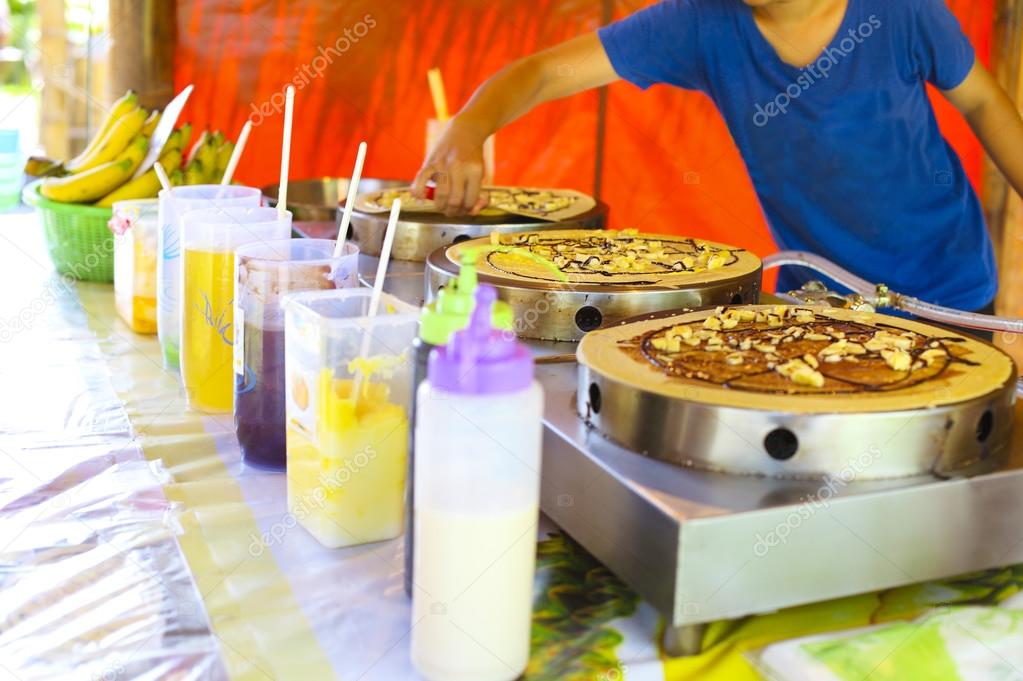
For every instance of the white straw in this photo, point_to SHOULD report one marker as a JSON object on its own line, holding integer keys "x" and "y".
{"x": 161, "y": 174}
{"x": 236, "y": 155}
{"x": 353, "y": 191}
{"x": 282, "y": 193}
{"x": 378, "y": 289}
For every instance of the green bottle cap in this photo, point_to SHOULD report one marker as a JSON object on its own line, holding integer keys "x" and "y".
{"x": 452, "y": 309}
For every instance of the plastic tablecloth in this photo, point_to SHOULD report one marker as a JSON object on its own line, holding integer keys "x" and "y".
{"x": 134, "y": 544}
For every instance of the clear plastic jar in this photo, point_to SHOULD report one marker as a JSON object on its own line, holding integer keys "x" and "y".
{"x": 210, "y": 237}
{"x": 349, "y": 391}
{"x": 266, "y": 272}
{"x": 179, "y": 201}
{"x": 136, "y": 227}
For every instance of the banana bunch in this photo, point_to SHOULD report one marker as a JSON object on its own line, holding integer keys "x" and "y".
{"x": 147, "y": 185}
{"x": 102, "y": 173}
{"x": 207, "y": 160}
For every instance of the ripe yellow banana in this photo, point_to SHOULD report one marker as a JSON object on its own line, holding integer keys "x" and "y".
{"x": 171, "y": 160}
{"x": 150, "y": 125}
{"x": 116, "y": 139}
{"x": 118, "y": 109}
{"x": 194, "y": 173}
{"x": 89, "y": 185}
{"x": 207, "y": 158}
{"x": 146, "y": 185}
{"x": 223, "y": 157}
{"x": 197, "y": 146}
{"x": 40, "y": 166}
{"x": 186, "y": 135}
{"x": 135, "y": 151}
{"x": 173, "y": 142}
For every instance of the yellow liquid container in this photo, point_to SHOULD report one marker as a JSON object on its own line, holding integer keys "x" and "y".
{"x": 346, "y": 458}
{"x": 136, "y": 228}
{"x": 207, "y": 297}
{"x": 348, "y": 481}
{"x": 207, "y": 331}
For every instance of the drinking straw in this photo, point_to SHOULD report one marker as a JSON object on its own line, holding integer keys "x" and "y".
{"x": 378, "y": 289}
{"x": 353, "y": 192}
{"x": 440, "y": 100}
{"x": 236, "y": 155}
{"x": 161, "y": 175}
{"x": 282, "y": 194}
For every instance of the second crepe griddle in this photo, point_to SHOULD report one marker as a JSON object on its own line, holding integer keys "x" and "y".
{"x": 587, "y": 281}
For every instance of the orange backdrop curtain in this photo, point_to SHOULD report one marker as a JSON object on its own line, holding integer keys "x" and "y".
{"x": 662, "y": 159}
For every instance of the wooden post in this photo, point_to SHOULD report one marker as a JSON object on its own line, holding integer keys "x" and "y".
{"x": 142, "y": 41}
{"x": 54, "y": 110}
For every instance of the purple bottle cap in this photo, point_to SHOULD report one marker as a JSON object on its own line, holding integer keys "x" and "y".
{"x": 479, "y": 359}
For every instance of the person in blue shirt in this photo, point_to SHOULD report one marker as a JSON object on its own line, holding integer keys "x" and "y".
{"x": 825, "y": 99}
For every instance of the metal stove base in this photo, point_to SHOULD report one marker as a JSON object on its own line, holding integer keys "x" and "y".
{"x": 703, "y": 546}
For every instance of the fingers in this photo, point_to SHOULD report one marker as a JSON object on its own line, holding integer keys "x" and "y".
{"x": 456, "y": 185}
{"x": 424, "y": 175}
{"x": 473, "y": 180}
{"x": 442, "y": 181}
{"x": 456, "y": 191}
{"x": 481, "y": 203}
{"x": 457, "y": 188}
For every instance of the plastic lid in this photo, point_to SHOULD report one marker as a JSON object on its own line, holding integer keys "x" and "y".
{"x": 481, "y": 360}
{"x": 454, "y": 305}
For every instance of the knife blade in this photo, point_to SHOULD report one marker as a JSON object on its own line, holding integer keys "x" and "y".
{"x": 168, "y": 119}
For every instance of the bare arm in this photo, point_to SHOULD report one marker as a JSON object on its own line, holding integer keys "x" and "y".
{"x": 994, "y": 119}
{"x": 456, "y": 162}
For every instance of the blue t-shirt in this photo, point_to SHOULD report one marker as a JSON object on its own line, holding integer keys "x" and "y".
{"x": 845, "y": 154}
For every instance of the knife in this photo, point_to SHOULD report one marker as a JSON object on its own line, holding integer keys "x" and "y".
{"x": 168, "y": 119}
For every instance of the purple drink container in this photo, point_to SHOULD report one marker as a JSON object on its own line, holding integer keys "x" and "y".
{"x": 267, "y": 272}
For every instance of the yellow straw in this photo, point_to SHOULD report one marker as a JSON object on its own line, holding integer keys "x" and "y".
{"x": 440, "y": 100}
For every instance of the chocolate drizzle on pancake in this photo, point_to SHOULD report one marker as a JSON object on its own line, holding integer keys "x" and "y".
{"x": 806, "y": 354}
{"x": 610, "y": 256}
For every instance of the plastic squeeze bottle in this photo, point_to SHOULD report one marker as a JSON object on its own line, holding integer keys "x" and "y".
{"x": 477, "y": 471}
{"x": 450, "y": 312}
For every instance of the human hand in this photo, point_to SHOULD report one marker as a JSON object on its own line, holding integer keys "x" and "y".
{"x": 455, "y": 165}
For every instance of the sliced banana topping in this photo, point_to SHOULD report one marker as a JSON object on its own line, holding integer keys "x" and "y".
{"x": 884, "y": 340}
{"x": 801, "y": 373}
{"x": 898, "y": 360}
{"x": 735, "y": 359}
{"x": 931, "y": 356}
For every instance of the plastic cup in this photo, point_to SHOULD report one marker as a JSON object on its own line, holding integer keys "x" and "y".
{"x": 210, "y": 237}
{"x": 168, "y": 267}
{"x": 346, "y": 457}
{"x": 137, "y": 226}
{"x": 266, "y": 272}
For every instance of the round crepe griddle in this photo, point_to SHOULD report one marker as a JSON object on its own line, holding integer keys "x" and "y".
{"x": 626, "y": 353}
{"x": 602, "y": 258}
{"x": 550, "y": 205}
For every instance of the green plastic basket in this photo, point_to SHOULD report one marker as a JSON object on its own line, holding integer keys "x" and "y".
{"x": 80, "y": 243}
